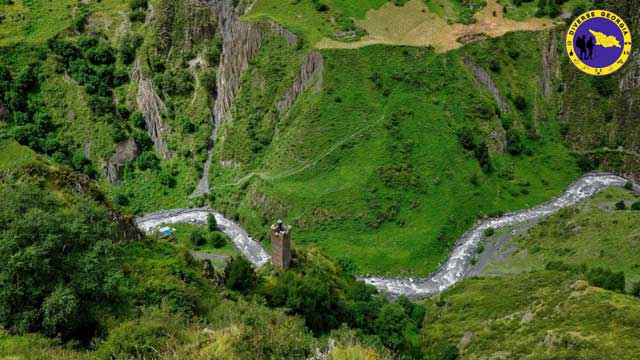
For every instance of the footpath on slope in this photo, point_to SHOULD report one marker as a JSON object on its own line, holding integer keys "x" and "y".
{"x": 456, "y": 267}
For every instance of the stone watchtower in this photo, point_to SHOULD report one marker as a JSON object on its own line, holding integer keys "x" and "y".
{"x": 281, "y": 245}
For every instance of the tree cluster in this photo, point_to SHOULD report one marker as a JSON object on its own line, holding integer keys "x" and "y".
{"x": 58, "y": 264}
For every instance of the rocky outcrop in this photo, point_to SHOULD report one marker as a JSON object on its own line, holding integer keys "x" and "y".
{"x": 200, "y": 22}
{"x": 150, "y": 104}
{"x": 240, "y": 43}
{"x": 499, "y": 139}
{"x": 549, "y": 64}
{"x": 630, "y": 79}
{"x": 484, "y": 78}
{"x": 282, "y": 31}
{"x": 126, "y": 150}
{"x": 310, "y": 73}
{"x": 4, "y": 112}
{"x": 127, "y": 229}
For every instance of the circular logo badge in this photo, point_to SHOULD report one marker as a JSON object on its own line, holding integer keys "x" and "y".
{"x": 599, "y": 42}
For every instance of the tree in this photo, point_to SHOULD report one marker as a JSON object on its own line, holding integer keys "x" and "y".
{"x": 390, "y": 324}
{"x": 520, "y": 102}
{"x": 621, "y": 205}
{"x": 481, "y": 153}
{"x": 58, "y": 263}
{"x": 197, "y": 239}
{"x": 218, "y": 239}
{"x": 212, "y": 224}
{"x": 129, "y": 46}
{"x": 148, "y": 161}
{"x": 465, "y": 137}
{"x": 450, "y": 352}
{"x": 241, "y": 275}
{"x": 636, "y": 206}
{"x": 514, "y": 142}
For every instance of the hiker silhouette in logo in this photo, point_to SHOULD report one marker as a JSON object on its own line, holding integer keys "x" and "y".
{"x": 582, "y": 45}
{"x": 590, "y": 48}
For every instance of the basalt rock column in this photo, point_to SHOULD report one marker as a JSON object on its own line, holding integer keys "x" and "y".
{"x": 281, "y": 245}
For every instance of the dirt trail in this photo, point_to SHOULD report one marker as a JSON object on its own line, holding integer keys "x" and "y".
{"x": 413, "y": 25}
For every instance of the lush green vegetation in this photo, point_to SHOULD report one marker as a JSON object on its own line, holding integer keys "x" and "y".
{"x": 381, "y": 141}
{"x": 72, "y": 289}
{"x": 539, "y": 315}
{"x": 315, "y": 19}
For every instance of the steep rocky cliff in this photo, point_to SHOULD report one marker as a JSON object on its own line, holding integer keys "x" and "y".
{"x": 282, "y": 31}
{"x": 200, "y": 22}
{"x": 484, "y": 78}
{"x": 151, "y": 106}
{"x": 549, "y": 64}
{"x": 126, "y": 150}
{"x": 240, "y": 43}
{"x": 310, "y": 74}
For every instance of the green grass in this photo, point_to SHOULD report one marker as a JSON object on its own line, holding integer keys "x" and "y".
{"x": 14, "y": 155}
{"x": 592, "y": 233}
{"x": 183, "y": 233}
{"x": 35, "y": 21}
{"x": 301, "y": 16}
{"x": 539, "y": 315}
{"x": 340, "y": 202}
{"x": 455, "y": 10}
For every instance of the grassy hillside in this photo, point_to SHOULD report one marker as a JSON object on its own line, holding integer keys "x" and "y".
{"x": 594, "y": 233}
{"x": 371, "y": 168}
{"x": 537, "y": 316}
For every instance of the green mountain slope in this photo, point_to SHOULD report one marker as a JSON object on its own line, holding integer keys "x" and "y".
{"x": 594, "y": 234}
{"x": 371, "y": 168}
{"x": 532, "y": 316}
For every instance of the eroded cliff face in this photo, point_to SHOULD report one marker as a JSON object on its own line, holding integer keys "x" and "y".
{"x": 282, "y": 31}
{"x": 240, "y": 43}
{"x": 126, "y": 150}
{"x": 549, "y": 64}
{"x": 483, "y": 77}
{"x": 310, "y": 74}
{"x": 201, "y": 24}
{"x": 151, "y": 106}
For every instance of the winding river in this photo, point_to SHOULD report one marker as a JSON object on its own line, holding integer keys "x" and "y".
{"x": 453, "y": 270}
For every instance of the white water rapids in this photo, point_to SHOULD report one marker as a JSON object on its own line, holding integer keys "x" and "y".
{"x": 453, "y": 270}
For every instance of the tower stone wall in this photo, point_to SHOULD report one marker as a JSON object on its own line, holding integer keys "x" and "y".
{"x": 281, "y": 245}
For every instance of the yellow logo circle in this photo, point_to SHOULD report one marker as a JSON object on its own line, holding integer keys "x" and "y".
{"x": 599, "y": 42}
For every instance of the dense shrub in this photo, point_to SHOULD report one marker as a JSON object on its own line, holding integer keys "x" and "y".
{"x": 129, "y": 46}
{"x": 481, "y": 152}
{"x": 241, "y": 275}
{"x": 466, "y": 139}
{"x": 520, "y": 102}
{"x": 137, "y": 15}
{"x": 212, "y": 224}
{"x": 208, "y": 79}
{"x": 138, "y": 4}
{"x": 621, "y": 205}
{"x": 59, "y": 264}
{"x": 148, "y": 161}
{"x": 196, "y": 237}
{"x": 606, "y": 279}
{"x": 218, "y": 239}
{"x": 515, "y": 143}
